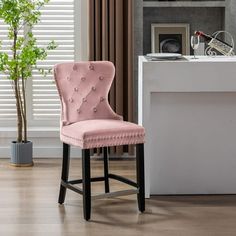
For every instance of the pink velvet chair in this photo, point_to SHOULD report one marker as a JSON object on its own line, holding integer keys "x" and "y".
{"x": 87, "y": 121}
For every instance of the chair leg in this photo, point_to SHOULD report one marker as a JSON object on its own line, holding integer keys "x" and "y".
{"x": 105, "y": 158}
{"x": 140, "y": 176}
{"x": 64, "y": 172}
{"x": 86, "y": 183}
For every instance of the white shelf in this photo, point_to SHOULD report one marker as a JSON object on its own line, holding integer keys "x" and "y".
{"x": 184, "y": 4}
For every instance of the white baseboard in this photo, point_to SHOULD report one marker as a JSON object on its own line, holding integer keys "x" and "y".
{"x": 46, "y": 142}
{"x": 43, "y": 152}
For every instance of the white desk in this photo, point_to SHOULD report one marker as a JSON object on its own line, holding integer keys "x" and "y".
{"x": 189, "y": 111}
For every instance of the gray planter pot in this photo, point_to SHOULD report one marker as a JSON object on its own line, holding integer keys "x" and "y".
{"x": 22, "y": 154}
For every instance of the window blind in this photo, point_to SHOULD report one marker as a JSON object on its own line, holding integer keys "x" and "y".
{"x": 43, "y": 106}
{"x": 57, "y": 23}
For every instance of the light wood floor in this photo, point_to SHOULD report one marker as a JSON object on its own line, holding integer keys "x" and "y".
{"x": 28, "y": 207}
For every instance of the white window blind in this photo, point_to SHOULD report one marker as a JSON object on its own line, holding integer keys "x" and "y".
{"x": 58, "y": 23}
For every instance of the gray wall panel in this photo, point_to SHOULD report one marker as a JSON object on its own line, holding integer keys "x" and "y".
{"x": 208, "y": 20}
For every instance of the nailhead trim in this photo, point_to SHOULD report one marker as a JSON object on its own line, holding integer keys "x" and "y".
{"x": 108, "y": 140}
{"x": 108, "y": 137}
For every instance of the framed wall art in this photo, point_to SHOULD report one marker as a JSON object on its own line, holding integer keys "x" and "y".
{"x": 170, "y": 38}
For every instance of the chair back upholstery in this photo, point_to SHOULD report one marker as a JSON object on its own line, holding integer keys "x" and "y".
{"x": 83, "y": 89}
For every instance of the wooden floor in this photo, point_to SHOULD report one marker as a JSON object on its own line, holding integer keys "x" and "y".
{"x": 28, "y": 207}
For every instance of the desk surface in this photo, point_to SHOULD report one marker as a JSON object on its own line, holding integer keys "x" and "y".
{"x": 206, "y": 74}
{"x": 198, "y": 59}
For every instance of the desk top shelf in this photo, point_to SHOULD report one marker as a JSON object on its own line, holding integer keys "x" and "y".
{"x": 184, "y": 4}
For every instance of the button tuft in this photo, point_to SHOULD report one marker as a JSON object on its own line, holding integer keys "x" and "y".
{"x": 75, "y": 67}
{"x": 91, "y": 67}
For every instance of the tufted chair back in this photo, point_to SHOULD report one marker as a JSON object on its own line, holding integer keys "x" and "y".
{"x": 83, "y": 89}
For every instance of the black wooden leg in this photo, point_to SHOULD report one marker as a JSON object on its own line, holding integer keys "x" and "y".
{"x": 86, "y": 183}
{"x": 140, "y": 176}
{"x": 105, "y": 158}
{"x": 64, "y": 172}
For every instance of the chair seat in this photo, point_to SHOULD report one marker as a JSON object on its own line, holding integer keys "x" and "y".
{"x": 102, "y": 133}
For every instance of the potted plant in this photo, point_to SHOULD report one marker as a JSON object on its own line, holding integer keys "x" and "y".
{"x": 19, "y": 64}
